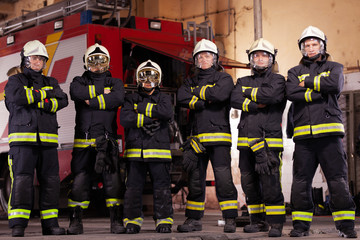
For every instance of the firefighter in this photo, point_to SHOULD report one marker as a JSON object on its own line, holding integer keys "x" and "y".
{"x": 314, "y": 87}
{"x": 145, "y": 117}
{"x": 261, "y": 98}
{"x": 207, "y": 95}
{"x": 97, "y": 97}
{"x": 33, "y": 100}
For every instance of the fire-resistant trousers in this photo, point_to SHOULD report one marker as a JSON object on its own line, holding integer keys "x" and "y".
{"x": 22, "y": 162}
{"x": 263, "y": 192}
{"x": 160, "y": 178}
{"x": 329, "y": 153}
{"x": 226, "y": 192}
{"x": 82, "y": 167}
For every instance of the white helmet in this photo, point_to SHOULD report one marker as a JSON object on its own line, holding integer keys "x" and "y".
{"x": 34, "y": 47}
{"x": 97, "y": 55}
{"x": 314, "y": 32}
{"x": 205, "y": 46}
{"x": 264, "y": 45}
{"x": 149, "y": 71}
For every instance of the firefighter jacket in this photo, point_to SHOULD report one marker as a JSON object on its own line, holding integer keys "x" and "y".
{"x": 33, "y": 100}
{"x": 316, "y": 110}
{"x": 99, "y": 117}
{"x": 207, "y": 95}
{"x": 151, "y": 113}
{"x": 268, "y": 89}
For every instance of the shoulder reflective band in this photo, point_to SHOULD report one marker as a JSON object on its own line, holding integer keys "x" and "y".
{"x": 197, "y": 206}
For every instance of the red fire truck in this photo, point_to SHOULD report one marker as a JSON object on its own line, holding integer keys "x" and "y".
{"x": 67, "y": 29}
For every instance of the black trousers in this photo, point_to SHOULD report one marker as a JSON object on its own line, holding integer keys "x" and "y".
{"x": 262, "y": 189}
{"x": 160, "y": 178}
{"x": 226, "y": 192}
{"x": 329, "y": 153}
{"x": 82, "y": 168}
{"x": 22, "y": 162}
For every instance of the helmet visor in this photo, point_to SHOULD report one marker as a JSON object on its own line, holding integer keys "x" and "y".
{"x": 148, "y": 74}
{"x": 261, "y": 60}
{"x": 95, "y": 60}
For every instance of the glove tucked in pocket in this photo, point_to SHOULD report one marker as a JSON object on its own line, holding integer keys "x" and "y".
{"x": 191, "y": 148}
{"x": 265, "y": 161}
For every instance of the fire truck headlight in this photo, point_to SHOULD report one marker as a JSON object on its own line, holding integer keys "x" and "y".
{"x": 155, "y": 25}
{"x": 58, "y": 25}
{"x": 10, "y": 39}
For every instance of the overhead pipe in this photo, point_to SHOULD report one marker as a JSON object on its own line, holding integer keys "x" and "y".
{"x": 257, "y": 19}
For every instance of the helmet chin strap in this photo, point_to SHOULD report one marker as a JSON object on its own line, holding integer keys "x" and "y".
{"x": 314, "y": 57}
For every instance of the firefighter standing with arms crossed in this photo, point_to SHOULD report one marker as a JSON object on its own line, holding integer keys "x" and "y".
{"x": 207, "y": 95}
{"x": 97, "y": 96}
{"x": 314, "y": 87}
{"x": 33, "y": 101}
{"x": 261, "y": 97}
{"x": 145, "y": 117}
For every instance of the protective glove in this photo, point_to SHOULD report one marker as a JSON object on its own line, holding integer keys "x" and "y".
{"x": 190, "y": 160}
{"x": 50, "y": 94}
{"x": 114, "y": 153}
{"x": 151, "y": 128}
{"x": 262, "y": 164}
{"x": 191, "y": 148}
{"x": 103, "y": 161}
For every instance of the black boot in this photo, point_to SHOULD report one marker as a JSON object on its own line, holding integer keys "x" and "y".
{"x": 190, "y": 225}
{"x": 116, "y": 220}
{"x": 75, "y": 226}
{"x": 254, "y": 227}
{"x": 18, "y": 231}
{"x": 53, "y": 231}
{"x": 230, "y": 225}
{"x": 275, "y": 230}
